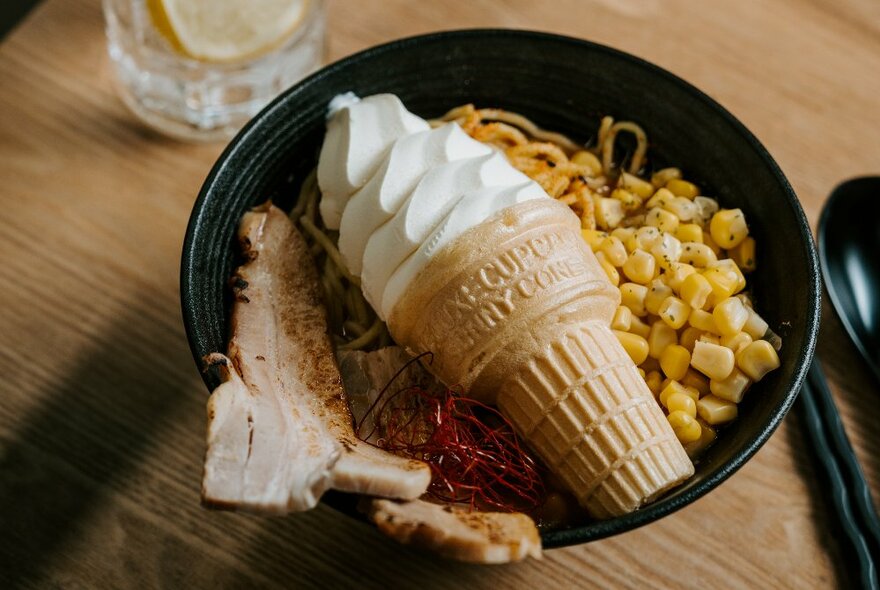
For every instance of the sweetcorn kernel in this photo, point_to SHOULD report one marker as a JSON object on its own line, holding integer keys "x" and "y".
{"x": 667, "y": 250}
{"x": 660, "y": 198}
{"x": 675, "y": 361}
{"x": 661, "y": 177}
{"x": 697, "y": 254}
{"x": 728, "y": 228}
{"x": 695, "y": 289}
{"x": 736, "y": 342}
{"x": 730, "y": 316}
{"x": 674, "y": 312}
{"x": 635, "y": 346}
{"x": 689, "y": 232}
{"x": 706, "y": 208}
{"x": 730, "y": 266}
{"x": 683, "y": 188}
{"x": 680, "y": 402}
{"x": 638, "y": 327}
{"x": 646, "y": 237}
{"x": 631, "y": 242}
{"x": 660, "y": 336}
{"x": 614, "y": 251}
{"x": 636, "y": 185}
{"x": 712, "y": 360}
{"x": 633, "y": 295}
{"x": 723, "y": 280}
{"x": 622, "y": 319}
{"x": 685, "y": 426}
{"x": 609, "y": 212}
{"x": 755, "y": 326}
{"x": 661, "y": 219}
{"x": 609, "y": 269}
{"x": 639, "y": 267}
{"x": 681, "y": 207}
{"x": 593, "y": 237}
{"x": 658, "y": 291}
{"x": 673, "y": 387}
{"x": 730, "y": 388}
{"x": 702, "y": 320}
{"x": 757, "y": 359}
{"x": 623, "y": 234}
{"x": 744, "y": 255}
{"x": 715, "y": 410}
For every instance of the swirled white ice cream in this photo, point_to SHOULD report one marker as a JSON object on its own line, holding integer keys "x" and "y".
{"x": 359, "y": 134}
{"x": 399, "y": 191}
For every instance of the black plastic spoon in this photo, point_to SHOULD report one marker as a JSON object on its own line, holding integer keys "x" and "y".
{"x": 849, "y": 250}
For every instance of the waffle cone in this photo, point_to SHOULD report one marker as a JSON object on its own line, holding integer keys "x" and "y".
{"x": 517, "y": 311}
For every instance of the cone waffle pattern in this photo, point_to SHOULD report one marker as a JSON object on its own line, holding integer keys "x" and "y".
{"x": 587, "y": 412}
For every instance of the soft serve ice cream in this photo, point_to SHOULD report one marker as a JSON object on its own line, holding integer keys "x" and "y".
{"x": 428, "y": 219}
{"x": 399, "y": 191}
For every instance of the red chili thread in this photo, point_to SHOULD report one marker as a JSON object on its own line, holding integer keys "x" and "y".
{"x": 475, "y": 456}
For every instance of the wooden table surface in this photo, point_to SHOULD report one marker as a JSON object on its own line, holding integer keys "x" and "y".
{"x": 102, "y": 412}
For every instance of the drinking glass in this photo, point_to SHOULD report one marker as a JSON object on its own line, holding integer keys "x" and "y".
{"x": 197, "y": 100}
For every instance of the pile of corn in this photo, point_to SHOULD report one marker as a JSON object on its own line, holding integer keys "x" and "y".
{"x": 679, "y": 262}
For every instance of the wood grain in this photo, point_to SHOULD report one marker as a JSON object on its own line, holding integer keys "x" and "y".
{"x": 101, "y": 408}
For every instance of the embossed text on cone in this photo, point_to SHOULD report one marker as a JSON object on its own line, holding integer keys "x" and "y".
{"x": 517, "y": 311}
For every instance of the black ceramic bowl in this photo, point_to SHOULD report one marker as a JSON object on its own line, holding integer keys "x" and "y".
{"x": 565, "y": 85}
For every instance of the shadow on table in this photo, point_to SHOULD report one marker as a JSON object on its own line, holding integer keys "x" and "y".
{"x": 820, "y": 505}
{"x": 81, "y": 442}
{"x": 858, "y": 398}
{"x": 347, "y": 553}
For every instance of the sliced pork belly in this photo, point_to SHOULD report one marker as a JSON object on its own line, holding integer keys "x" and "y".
{"x": 476, "y": 537}
{"x": 279, "y": 428}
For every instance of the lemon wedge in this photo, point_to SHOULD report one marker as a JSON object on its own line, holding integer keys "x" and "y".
{"x": 226, "y": 30}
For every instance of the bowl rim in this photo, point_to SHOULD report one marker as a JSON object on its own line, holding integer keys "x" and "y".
{"x": 598, "y": 529}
